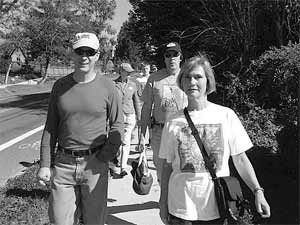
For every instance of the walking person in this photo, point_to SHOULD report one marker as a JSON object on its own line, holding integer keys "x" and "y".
{"x": 187, "y": 189}
{"x": 80, "y": 105}
{"x": 145, "y": 75}
{"x": 128, "y": 92}
{"x": 161, "y": 98}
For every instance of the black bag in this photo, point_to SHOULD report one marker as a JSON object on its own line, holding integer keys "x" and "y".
{"x": 142, "y": 178}
{"x": 231, "y": 203}
{"x": 228, "y": 191}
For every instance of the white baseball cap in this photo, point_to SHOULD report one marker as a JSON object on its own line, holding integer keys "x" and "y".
{"x": 86, "y": 40}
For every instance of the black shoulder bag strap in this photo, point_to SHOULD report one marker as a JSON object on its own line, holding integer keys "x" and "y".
{"x": 195, "y": 133}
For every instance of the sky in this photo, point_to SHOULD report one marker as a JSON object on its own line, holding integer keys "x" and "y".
{"x": 121, "y": 14}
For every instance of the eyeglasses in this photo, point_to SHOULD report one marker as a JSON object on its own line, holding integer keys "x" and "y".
{"x": 86, "y": 52}
{"x": 169, "y": 55}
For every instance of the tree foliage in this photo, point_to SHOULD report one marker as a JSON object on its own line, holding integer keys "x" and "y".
{"x": 12, "y": 11}
{"x": 127, "y": 49}
{"x": 46, "y": 28}
{"x": 255, "y": 73}
{"x": 230, "y": 31}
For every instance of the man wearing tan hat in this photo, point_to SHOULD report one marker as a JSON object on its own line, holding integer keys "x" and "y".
{"x": 82, "y": 108}
{"x": 128, "y": 92}
{"x": 161, "y": 98}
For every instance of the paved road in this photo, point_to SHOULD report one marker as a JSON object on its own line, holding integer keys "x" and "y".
{"x": 18, "y": 116}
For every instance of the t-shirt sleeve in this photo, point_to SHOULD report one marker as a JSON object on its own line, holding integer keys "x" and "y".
{"x": 168, "y": 143}
{"x": 239, "y": 140}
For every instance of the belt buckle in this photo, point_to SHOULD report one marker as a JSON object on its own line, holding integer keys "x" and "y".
{"x": 78, "y": 154}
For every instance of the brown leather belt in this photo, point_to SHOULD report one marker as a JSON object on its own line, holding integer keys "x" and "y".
{"x": 78, "y": 153}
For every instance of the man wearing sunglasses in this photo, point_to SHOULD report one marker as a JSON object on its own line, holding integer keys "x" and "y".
{"x": 85, "y": 122}
{"x": 161, "y": 98}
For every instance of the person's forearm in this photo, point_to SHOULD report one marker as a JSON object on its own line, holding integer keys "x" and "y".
{"x": 116, "y": 121}
{"x": 49, "y": 136}
{"x": 145, "y": 117}
{"x": 115, "y": 133}
{"x": 166, "y": 173}
{"x": 137, "y": 105}
{"x": 246, "y": 170}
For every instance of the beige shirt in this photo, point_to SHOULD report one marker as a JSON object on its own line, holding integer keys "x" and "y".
{"x": 162, "y": 92}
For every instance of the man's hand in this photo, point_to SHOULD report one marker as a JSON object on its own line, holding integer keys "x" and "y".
{"x": 44, "y": 175}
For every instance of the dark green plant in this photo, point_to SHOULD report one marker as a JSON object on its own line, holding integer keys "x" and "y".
{"x": 266, "y": 98}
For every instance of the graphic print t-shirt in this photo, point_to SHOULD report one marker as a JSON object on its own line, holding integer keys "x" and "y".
{"x": 162, "y": 90}
{"x": 191, "y": 194}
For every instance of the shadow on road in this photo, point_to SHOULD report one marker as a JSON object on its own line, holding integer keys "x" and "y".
{"x": 127, "y": 208}
{"x": 33, "y": 193}
{"x": 31, "y": 101}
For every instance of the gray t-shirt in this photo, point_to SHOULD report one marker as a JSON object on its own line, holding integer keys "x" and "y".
{"x": 162, "y": 91}
{"x": 78, "y": 114}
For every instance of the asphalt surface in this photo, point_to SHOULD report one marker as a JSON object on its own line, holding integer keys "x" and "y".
{"x": 124, "y": 205}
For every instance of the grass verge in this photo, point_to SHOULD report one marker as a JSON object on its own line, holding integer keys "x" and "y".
{"x": 23, "y": 201}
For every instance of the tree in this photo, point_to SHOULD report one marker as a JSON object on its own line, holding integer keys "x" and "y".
{"x": 127, "y": 49}
{"x": 229, "y": 31}
{"x": 234, "y": 34}
{"x": 12, "y": 11}
{"x": 47, "y": 30}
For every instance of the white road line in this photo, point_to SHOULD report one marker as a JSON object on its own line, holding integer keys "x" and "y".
{"x": 20, "y": 138}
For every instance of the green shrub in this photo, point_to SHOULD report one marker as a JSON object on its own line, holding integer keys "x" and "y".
{"x": 266, "y": 94}
{"x": 260, "y": 126}
{"x": 272, "y": 82}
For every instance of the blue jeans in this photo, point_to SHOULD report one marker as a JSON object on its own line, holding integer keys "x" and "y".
{"x": 78, "y": 188}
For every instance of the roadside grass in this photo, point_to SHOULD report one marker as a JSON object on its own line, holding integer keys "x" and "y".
{"x": 23, "y": 201}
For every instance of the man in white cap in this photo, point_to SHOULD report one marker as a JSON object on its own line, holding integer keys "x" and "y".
{"x": 84, "y": 121}
{"x": 162, "y": 98}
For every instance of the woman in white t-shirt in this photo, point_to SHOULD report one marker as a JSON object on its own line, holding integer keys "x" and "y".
{"x": 187, "y": 190}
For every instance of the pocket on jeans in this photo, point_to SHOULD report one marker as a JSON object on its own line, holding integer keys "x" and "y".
{"x": 58, "y": 157}
{"x": 61, "y": 158}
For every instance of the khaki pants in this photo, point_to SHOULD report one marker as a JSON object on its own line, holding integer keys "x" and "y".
{"x": 129, "y": 124}
{"x": 78, "y": 187}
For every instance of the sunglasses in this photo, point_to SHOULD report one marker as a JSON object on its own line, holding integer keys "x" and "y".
{"x": 169, "y": 55}
{"x": 87, "y": 52}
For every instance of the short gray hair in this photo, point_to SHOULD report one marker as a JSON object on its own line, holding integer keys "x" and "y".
{"x": 191, "y": 63}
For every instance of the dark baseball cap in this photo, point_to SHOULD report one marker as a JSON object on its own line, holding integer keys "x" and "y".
{"x": 172, "y": 46}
